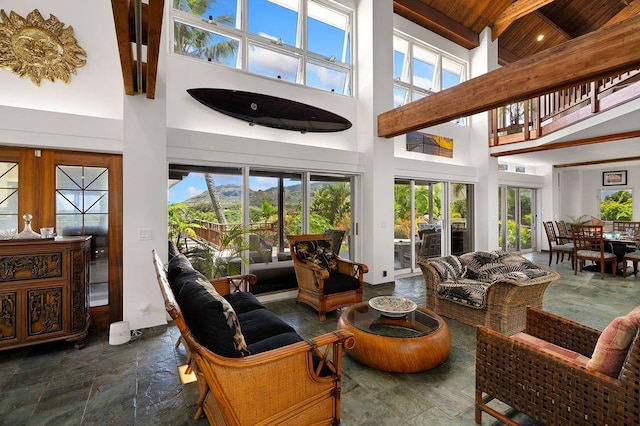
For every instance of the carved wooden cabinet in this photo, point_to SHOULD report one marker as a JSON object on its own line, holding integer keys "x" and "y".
{"x": 44, "y": 291}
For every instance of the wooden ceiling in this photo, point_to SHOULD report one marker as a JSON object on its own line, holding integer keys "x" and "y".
{"x": 517, "y": 24}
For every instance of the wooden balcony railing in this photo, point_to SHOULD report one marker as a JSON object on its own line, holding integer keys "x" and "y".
{"x": 543, "y": 115}
{"x": 213, "y": 232}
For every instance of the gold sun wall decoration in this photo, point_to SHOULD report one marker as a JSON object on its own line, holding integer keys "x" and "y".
{"x": 37, "y": 48}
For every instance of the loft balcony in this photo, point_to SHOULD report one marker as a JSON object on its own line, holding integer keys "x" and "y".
{"x": 533, "y": 118}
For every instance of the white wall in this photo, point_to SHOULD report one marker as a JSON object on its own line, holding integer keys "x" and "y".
{"x": 579, "y": 189}
{"x": 96, "y": 89}
{"x": 93, "y": 114}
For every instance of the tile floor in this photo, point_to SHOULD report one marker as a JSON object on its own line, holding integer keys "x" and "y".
{"x": 138, "y": 384}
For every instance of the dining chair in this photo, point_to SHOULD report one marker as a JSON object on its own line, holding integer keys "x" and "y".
{"x": 588, "y": 243}
{"x": 555, "y": 246}
{"x": 625, "y": 227}
{"x": 633, "y": 257}
{"x": 564, "y": 232}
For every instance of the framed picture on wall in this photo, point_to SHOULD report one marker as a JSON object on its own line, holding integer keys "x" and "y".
{"x": 614, "y": 178}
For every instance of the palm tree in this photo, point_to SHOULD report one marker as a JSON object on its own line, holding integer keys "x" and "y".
{"x": 192, "y": 41}
{"x": 181, "y": 222}
{"x": 332, "y": 202}
{"x": 215, "y": 200}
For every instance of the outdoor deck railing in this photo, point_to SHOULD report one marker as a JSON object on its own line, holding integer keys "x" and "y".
{"x": 213, "y": 232}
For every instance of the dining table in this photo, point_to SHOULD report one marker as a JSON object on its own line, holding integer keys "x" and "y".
{"x": 620, "y": 244}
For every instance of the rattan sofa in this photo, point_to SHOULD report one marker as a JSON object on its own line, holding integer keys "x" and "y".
{"x": 492, "y": 289}
{"x": 297, "y": 383}
{"x": 546, "y": 373}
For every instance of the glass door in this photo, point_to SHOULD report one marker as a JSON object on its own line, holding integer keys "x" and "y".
{"x": 330, "y": 210}
{"x": 460, "y": 217}
{"x": 418, "y": 225}
{"x": 517, "y": 224}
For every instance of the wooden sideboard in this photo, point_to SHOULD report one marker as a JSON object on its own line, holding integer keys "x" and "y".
{"x": 44, "y": 293}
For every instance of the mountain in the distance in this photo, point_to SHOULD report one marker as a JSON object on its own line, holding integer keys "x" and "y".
{"x": 231, "y": 195}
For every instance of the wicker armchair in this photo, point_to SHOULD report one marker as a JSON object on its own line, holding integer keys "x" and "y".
{"x": 294, "y": 384}
{"x": 326, "y": 281}
{"x": 505, "y": 300}
{"x": 555, "y": 388}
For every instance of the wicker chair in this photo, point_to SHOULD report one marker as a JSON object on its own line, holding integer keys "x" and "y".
{"x": 326, "y": 281}
{"x": 552, "y": 389}
{"x": 431, "y": 245}
{"x": 588, "y": 243}
{"x": 294, "y": 384}
{"x": 505, "y": 305}
{"x": 555, "y": 244}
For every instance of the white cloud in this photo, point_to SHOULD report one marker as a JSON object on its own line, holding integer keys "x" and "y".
{"x": 193, "y": 191}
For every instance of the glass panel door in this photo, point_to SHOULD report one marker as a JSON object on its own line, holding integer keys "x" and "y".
{"x": 274, "y": 212}
{"x": 82, "y": 208}
{"x": 330, "y": 209}
{"x": 461, "y": 217}
{"x": 517, "y": 232}
{"x": 418, "y": 225}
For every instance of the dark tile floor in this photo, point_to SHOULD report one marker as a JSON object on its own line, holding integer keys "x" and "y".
{"x": 138, "y": 383}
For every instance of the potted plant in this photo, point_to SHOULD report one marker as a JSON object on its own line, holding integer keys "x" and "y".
{"x": 233, "y": 251}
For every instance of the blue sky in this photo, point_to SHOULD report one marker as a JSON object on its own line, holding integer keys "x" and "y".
{"x": 272, "y": 20}
{"x": 194, "y": 184}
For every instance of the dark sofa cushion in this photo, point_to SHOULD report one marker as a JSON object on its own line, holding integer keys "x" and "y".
{"x": 262, "y": 324}
{"x": 337, "y": 283}
{"x": 244, "y": 302}
{"x": 275, "y": 342}
{"x": 211, "y": 319}
{"x": 179, "y": 271}
{"x": 285, "y": 339}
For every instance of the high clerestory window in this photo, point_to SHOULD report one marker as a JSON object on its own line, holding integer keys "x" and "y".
{"x": 306, "y": 42}
{"x": 420, "y": 70}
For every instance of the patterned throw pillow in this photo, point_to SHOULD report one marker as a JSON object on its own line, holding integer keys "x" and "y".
{"x": 317, "y": 252}
{"x": 448, "y": 268}
{"x": 613, "y": 345}
{"x": 229, "y": 315}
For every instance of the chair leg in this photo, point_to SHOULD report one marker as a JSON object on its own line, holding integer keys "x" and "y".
{"x": 614, "y": 268}
{"x": 635, "y": 269}
{"x": 550, "y": 256}
{"x": 624, "y": 268}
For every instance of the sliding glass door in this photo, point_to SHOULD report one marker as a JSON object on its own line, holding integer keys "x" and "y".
{"x": 517, "y": 219}
{"x": 431, "y": 219}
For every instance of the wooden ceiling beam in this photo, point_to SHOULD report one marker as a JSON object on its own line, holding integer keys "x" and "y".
{"x": 154, "y": 30}
{"x": 513, "y": 12}
{"x": 569, "y": 144}
{"x": 597, "y": 162}
{"x": 553, "y": 25}
{"x": 595, "y": 55}
{"x": 124, "y": 20}
{"x": 632, "y": 8}
{"x": 429, "y": 18}
{"x": 121, "y": 20}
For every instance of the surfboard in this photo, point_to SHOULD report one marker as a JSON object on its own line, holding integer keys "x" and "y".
{"x": 270, "y": 111}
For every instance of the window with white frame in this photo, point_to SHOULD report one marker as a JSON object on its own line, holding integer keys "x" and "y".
{"x": 420, "y": 70}
{"x": 306, "y": 42}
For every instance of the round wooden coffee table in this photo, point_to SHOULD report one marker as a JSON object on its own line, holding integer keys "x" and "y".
{"x": 416, "y": 342}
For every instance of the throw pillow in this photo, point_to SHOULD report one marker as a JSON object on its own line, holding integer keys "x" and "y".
{"x": 211, "y": 318}
{"x": 612, "y": 346}
{"x": 448, "y": 268}
{"x": 317, "y": 252}
{"x": 177, "y": 265}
